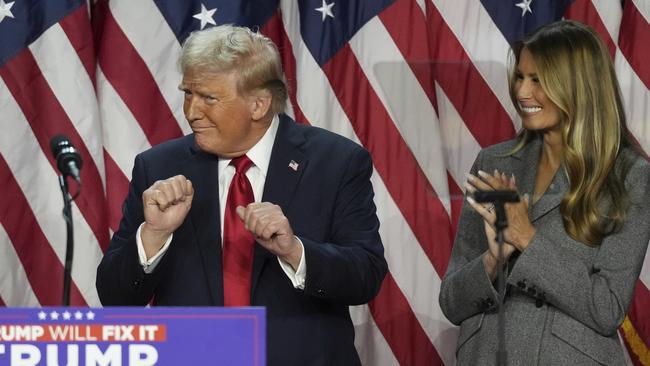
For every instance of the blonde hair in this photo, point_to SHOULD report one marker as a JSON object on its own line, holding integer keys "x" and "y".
{"x": 252, "y": 56}
{"x": 576, "y": 73}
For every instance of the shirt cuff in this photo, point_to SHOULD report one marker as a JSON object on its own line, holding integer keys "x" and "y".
{"x": 148, "y": 265}
{"x": 296, "y": 277}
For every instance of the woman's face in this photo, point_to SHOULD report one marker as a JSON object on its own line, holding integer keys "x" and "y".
{"x": 537, "y": 111}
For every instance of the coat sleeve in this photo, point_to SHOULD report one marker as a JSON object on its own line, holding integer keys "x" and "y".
{"x": 597, "y": 294}
{"x": 466, "y": 288}
{"x": 350, "y": 267}
{"x": 120, "y": 277}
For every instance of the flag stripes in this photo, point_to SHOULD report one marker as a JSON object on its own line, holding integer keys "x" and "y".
{"x": 422, "y": 85}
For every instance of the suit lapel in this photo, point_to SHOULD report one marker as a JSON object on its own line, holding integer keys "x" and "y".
{"x": 526, "y": 172}
{"x": 552, "y": 197}
{"x": 286, "y": 166}
{"x": 202, "y": 170}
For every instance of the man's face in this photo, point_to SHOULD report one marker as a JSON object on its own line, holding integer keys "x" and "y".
{"x": 221, "y": 119}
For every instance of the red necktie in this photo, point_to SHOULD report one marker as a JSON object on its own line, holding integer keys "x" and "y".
{"x": 237, "y": 241}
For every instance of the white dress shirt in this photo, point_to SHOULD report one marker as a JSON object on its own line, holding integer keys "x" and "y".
{"x": 260, "y": 155}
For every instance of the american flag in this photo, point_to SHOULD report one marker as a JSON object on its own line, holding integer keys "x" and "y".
{"x": 420, "y": 83}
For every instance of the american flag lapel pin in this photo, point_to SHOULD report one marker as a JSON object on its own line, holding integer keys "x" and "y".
{"x": 293, "y": 165}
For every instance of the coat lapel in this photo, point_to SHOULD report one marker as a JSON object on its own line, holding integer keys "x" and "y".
{"x": 285, "y": 170}
{"x": 202, "y": 170}
{"x": 552, "y": 197}
{"x": 526, "y": 165}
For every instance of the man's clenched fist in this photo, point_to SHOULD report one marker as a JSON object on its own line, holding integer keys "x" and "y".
{"x": 166, "y": 204}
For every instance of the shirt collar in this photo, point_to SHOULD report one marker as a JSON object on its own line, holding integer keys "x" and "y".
{"x": 260, "y": 153}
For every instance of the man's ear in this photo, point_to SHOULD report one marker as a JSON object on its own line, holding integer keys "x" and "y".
{"x": 260, "y": 103}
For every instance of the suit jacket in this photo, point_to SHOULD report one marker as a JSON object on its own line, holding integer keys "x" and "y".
{"x": 564, "y": 300}
{"x": 328, "y": 200}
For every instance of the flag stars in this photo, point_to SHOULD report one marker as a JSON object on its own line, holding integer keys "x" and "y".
{"x": 78, "y": 315}
{"x": 205, "y": 16}
{"x": 90, "y": 315}
{"x": 42, "y": 315}
{"x": 525, "y": 7}
{"x": 54, "y": 315}
{"x": 66, "y": 315}
{"x": 326, "y": 10}
{"x": 5, "y": 10}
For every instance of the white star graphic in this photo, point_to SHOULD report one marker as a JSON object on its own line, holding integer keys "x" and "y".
{"x": 66, "y": 315}
{"x": 78, "y": 315}
{"x": 5, "y": 10}
{"x": 54, "y": 315}
{"x": 205, "y": 16}
{"x": 42, "y": 315}
{"x": 525, "y": 7}
{"x": 90, "y": 315}
{"x": 326, "y": 9}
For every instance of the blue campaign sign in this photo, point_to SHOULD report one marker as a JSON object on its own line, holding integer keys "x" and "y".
{"x": 132, "y": 336}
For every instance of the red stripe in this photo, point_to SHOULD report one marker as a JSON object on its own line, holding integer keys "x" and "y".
{"x": 274, "y": 30}
{"x": 77, "y": 28}
{"x": 477, "y": 105}
{"x": 633, "y": 41}
{"x": 405, "y": 23}
{"x": 127, "y": 72}
{"x": 393, "y": 159}
{"x": 42, "y": 266}
{"x": 117, "y": 187}
{"x": 47, "y": 118}
{"x": 404, "y": 333}
{"x": 638, "y": 312}
{"x": 585, "y": 12}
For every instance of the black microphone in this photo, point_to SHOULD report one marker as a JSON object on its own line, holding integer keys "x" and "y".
{"x": 496, "y": 196}
{"x": 67, "y": 157}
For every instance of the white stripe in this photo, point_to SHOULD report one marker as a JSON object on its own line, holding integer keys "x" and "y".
{"x": 460, "y": 146}
{"x": 626, "y": 355}
{"x": 71, "y": 84}
{"x": 123, "y": 137}
{"x": 151, "y": 36}
{"x": 406, "y": 102}
{"x": 15, "y": 289}
{"x": 636, "y": 99}
{"x": 38, "y": 180}
{"x": 413, "y": 273}
{"x": 611, "y": 13}
{"x": 484, "y": 44}
{"x": 423, "y": 6}
{"x": 366, "y": 333}
{"x": 644, "y": 8}
{"x": 412, "y": 270}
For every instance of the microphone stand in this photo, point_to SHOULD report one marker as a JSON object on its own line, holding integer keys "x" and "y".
{"x": 499, "y": 199}
{"x": 501, "y": 224}
{"x": 69, "y": 247}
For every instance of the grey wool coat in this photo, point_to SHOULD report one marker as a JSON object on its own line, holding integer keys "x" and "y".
{"x": 565, "y": 300}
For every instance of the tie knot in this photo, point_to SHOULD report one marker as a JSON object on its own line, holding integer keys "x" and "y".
{"x": 241, "y": 163}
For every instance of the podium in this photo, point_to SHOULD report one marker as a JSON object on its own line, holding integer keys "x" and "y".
{"x": 133, "y": 336}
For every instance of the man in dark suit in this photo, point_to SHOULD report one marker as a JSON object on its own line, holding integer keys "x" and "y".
{"x": 300, "y": 233}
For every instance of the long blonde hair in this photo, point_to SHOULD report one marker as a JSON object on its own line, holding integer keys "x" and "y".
{"x": 576, "y": 73}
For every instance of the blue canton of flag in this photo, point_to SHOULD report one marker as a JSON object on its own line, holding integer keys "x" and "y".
{"x": 516, "y": 18}
{"x": 25, "y": 20}
{"x": 326, "y": 26}
{"x": 182, "y": 15}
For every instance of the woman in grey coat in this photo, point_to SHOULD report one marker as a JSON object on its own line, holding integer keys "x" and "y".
{"x": 576, "y": 242}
